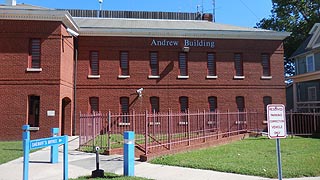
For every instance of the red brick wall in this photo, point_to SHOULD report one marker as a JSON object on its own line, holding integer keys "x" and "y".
{"x": 52, "y": 84}
{"x": 109, "y": 88}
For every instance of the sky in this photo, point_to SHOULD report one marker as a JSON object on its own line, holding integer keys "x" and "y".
{"x": 245, "y": 13}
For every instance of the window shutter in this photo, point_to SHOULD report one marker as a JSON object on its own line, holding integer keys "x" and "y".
{"x": 212, "y": 103}
{"x": 124, "y": 64}
{"x": 154, "y": 63}
{"x": 154, "y": 104}
{"x": 184, "y": 104}
{"x": 211, "y": 64}
{"x": 183, "y": 64}
{"x": 35, "y": 53}
{"x": 94, "y": 104}
{"x": 240, "y": 103}
{"x": 94, "y": 62}
{"x": 238, "y": 64}
{"x": 265, "y": 58}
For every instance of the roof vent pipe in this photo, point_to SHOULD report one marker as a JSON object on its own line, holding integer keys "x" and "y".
{"x": 11, "y": 2}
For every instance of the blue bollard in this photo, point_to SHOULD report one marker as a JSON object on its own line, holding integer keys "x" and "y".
{"x": 128, "y": 151}
{"x": 54, "y": 152}
{"x": 26, "y": 150}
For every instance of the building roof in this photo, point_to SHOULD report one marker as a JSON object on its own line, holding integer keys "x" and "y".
{"x": 170, "y": 28}
{"x": 89, "y": 26}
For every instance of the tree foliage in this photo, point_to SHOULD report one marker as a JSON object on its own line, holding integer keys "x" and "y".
{"x": 296, "y": 16}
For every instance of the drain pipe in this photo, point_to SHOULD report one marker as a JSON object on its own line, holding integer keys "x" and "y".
{"x": 75, "y": 69}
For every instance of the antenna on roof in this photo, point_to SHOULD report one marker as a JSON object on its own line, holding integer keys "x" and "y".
{"x": 214, "y": 10}
{"x": 100, "y": 8}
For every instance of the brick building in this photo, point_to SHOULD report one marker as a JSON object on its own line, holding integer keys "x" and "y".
{"x": 56, "y": 64}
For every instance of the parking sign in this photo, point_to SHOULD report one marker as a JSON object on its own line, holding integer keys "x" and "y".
{"x": 276, "y": 121}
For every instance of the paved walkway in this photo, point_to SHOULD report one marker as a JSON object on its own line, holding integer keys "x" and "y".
{"x": 82, "y": 164}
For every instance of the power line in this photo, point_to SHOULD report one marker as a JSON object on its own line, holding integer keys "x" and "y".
{"x": 249, "y": 9}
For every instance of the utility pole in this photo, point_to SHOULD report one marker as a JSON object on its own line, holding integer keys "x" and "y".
{"x": 214, "y": 10}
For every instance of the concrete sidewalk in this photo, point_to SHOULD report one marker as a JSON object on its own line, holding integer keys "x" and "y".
{"x": 82, "y": 164}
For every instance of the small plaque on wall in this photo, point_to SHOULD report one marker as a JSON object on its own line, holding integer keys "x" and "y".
{"x": 51, "y": 113}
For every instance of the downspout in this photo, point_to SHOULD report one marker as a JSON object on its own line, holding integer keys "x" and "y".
{"x": 75, "y": 43}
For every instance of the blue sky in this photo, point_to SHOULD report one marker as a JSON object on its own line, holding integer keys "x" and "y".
{"x": 235, "y": 12}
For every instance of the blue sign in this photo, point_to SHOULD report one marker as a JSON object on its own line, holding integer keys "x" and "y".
{"x": 45, "y": 142}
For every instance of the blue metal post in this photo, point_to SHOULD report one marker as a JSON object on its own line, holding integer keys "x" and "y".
{"x": 54, "y": 149}
{"x": 65, "y": 158}
{"x": 128, "y": 153}
{"x": 279, "y": 160}
{"x": 26, "y": 149}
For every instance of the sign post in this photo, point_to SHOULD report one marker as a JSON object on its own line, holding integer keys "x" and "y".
{"x": 277, "y": 129}
{"x": 128, "y": 163}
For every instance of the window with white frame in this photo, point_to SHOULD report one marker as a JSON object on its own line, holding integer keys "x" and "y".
{"x": 312, "y": 93}
{"x": 265, "y": 61}
{"x": 211, "y": 64}
{"x": 154, "y": 65}
{"x": 238, "y": 64}
{"x": 94, "y": 104}
{"x": 94, "y": 63}
{"x": 124, "y": 63}
{"x": 183, "y": 64}
{"x": 310, "y": 63}
{"x": 35, "y": 53}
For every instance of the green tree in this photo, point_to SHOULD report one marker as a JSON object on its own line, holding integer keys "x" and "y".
{"x": 296, "y": 16}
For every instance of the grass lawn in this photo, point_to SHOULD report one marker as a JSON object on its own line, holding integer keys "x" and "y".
{"x": 10, "y": 150}
{"x": 111, "y": 176}
{"x": 254, "y": 156}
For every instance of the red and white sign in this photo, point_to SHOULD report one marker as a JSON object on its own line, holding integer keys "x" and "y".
{"x": 276, "y": 121}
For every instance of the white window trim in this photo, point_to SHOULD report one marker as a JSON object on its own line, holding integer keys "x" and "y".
{"x": 153, "y": 77}
{"x": 212, "y": 77}
{"x": 93, "y": 76}
{"x": 34, "y": 128}
{"x": 311, "y": 55}
{"x": 238, "y": 77}
{"x": 123, "y": 76}
{"x": 34, "y": 69}
{"x": 266, "y": 77}
{"x": 183, "y": 77}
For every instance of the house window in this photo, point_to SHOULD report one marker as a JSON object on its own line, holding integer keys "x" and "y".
{"x": 124, "y": 105}
{"x": 34, "y": 111}
{"x": 154, "y": 101}
{"x": 124, "y": 63}
{"x": 183, "y": 65}
{"x": 211, "y": 64}
{"x": 154, "y": 66}
{"x": 310, "y": 63}
{"x": 35, "y": 53}
{"x": 212, "y": 103}
{"x": 94, "y": 104}
{"x": 238, "y": 64}
{"x": 312, "y": 93}
{"x": 266, "y": 101}
{"x": 265, "y": 61}
{"x": 94, "y": 63}
{"x": 240, "y": 103}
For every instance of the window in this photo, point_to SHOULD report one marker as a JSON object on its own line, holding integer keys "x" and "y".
{"x": 183, "y": 65}
{"x": 238, "y": 64}
{"x": 310, "y": 63}
{"x": 265, "y": 61}
{"x": 212, "y": 103}
{"x": 154, "y": 65}
{"x": 240, "y": 103}
{"x": 94, "y": 104}
{"x": 312, "y": 93}
{"x": 94, "y": 63}
{"x": 35, "y": 53}
{"x": 211, "y": 65}
{"x": 34, "y": 111}
{"x": 124, "y": 103}
{"x": 154, "y": 101}
{"x": 266, "y": 101}
{"x": 184, "y": 105}
{"x": 124, "y": 63}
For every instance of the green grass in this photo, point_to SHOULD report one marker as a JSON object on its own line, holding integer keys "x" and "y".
{"x": 111, "y": 176}
{"x": 10, "y": 150}
{"x": 254, "y": 156}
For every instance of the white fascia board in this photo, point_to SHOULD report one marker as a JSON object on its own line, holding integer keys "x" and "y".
{"x": 217, "y": 34}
